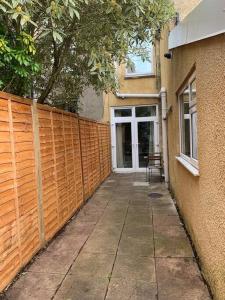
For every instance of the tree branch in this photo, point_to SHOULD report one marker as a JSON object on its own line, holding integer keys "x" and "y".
{"x": 59, "y": 56}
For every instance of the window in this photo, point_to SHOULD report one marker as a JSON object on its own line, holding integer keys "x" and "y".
{"x": 145, "y": 111}
{"x": 123, "y": 112}
{"x": 138, "y": 65}
{"x": 188, "y": 123}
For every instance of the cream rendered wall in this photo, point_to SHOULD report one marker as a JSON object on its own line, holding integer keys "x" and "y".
{"x": 91, "y": 104}
{"x": 184, "y": 7}
{"x": 201, "y": 199}
{"x": 150, "y": 84}
{"x": 134, "y": 85}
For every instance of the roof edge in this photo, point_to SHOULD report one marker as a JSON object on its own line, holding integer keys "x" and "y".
{"x": 205, "y": 21}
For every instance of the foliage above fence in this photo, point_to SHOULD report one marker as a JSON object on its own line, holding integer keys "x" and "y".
{"x": 75, "y": 43}
{"x": 50, "y": 163}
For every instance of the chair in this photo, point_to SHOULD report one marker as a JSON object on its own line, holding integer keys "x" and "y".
{"x": 154, "y": 161}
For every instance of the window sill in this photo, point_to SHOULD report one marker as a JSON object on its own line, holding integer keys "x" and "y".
{"x": 133, "y": 76}
{"x": 194, "y": 171}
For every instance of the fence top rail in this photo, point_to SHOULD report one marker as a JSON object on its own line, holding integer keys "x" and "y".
{"x": 92, "y": 120}
{"x": 28, "y": 101}
{"x": 56, "y": 110}
{"x": 15, "y": 98}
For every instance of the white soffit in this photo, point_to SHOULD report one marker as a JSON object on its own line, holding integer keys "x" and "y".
{"x": 206, "y": 20}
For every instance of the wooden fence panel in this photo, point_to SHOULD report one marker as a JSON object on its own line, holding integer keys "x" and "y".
{"x": 49, "y": 187}
{"x": 26, "y": 179}
{"x": 77, "y": 162}
{"x": 94, "y": 158}
{"x": 84, "y": 137}
{"x": 50, "y": 163}
{"x": 104, "y": 150}
{"x": 60, "y": 161}
{"x": 90, "y": 156}
{"x": 10, "y": 254}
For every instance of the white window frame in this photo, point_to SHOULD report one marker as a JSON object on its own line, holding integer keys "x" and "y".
{"x": 192, "y": 109}
{"x": 150, "y": 73}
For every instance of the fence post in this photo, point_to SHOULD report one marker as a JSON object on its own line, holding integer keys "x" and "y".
{"x": 38, "y": 172}
{"x": 81, "y": 156}
{"x": 100, "y": 152}
{"x": 12, "y": 143}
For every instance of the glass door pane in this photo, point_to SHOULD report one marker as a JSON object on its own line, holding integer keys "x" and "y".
{"x": 146, "y": 141}
{"x": 124, "y": 145}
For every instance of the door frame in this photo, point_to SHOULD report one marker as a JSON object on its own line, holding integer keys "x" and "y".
{"x": 134, "y": 134}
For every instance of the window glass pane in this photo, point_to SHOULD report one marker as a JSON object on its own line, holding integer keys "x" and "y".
{"x": 185, "y": 98}
{"x": 193, "y": 90}
{"x": 123, "y": 112}
{"x": 185, "y": 129}
{"x": 194, "y": 135}
{"x": 145, "y": 141}
{"x": 124, "y": 145}
{"x": 189, "y": 138}
{"x": 187, "y": 147}
{"x": 145, "y": 111}
{"x": 138, "y": 64}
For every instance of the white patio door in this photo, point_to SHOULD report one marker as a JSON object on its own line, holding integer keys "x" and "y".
{"x": 135, "y": 134}
{"x": 146, "y": 141}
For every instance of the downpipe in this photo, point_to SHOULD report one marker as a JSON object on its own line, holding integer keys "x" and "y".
{"x": 163, "y": 95}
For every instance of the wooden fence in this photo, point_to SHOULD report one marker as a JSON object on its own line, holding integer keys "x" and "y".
{"x": 51, "y": 161}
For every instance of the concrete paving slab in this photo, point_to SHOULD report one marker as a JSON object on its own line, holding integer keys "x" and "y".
{"x": 65, "y": 244}
{"x": 168, "y": 209}
{"x": 107, "y": 226}
{"x": 33, "y": 280}
{"x": 164, "y": 220}
{"x": 102, "y": 243}
{"x": 139, "y": 210}
{"x": 161, "y": 202}
{"x": 179, "y": 278}
{"x": 82, "y": 288}
{"x": 34, "y": 286}
{"x": 140, "y": 202}
{"x": 93, "y": 265}
{"x": 140, "y": 268}
{"x": 136, "y": 247}
{"x": 139, "y": 231}
{"x": 171, "y": 241}
{"x": 78, "y": 230}
{"x": 29, "y": 294}
{"x": 126, "y": 289}
{"x": 139, "y": 219}
{"x": 88, "y": 217}
{"x": 48, "y": 262}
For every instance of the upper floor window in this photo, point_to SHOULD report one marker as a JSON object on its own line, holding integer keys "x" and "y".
{"x": 140, "y": 61}
{"x": 188, "y": 123}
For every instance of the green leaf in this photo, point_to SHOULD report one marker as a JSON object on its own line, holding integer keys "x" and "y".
{"x": 57, "y": 37}
{"x": 77, "y": 14}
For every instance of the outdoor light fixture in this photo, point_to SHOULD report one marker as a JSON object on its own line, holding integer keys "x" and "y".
{"x": 168, "y": 55}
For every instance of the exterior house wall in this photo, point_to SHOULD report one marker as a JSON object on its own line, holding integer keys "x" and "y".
{"x": 201, "y": 199}
{"x": 149, "y": 84}
{"x": 184, "y": 7}
{"x": 91, "y": 104}
{"x": 132, "y": 85}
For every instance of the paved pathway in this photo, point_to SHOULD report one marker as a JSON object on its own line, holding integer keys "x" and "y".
{"x": 122, "y": 245}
